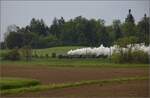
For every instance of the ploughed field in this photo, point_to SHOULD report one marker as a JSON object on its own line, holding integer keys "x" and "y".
{"x": 66, "y": 74}
{"x": 72, "y": 78}
{"x": 58, "y": 75}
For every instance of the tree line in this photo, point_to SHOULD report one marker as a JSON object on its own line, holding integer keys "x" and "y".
{"x": 77, "y": 31}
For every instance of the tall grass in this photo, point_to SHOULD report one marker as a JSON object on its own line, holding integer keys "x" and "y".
{"x": 11, "y": 83}
{"x": 66, "y": 85}
{"x": 55, "y": 62}
{"x": 57, "y": 50}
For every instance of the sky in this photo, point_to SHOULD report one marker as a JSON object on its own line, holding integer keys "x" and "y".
{"x": 21, "y": 12}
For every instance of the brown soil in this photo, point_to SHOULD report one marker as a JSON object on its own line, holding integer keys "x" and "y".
{"x": 58, "y": 75}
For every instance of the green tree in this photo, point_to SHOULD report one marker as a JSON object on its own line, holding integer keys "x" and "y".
{"x": 130, "y": 18}
{"x": 26, "y": 52}
{"x": 129, "y": 27}
{"x": 39, "y": 27}
{"x": 31, "y": 39}
{"x": 123, "y": 42}
{"x": 117, "y": 29}
{"x": 14, "y": 39}
{"x": 69, "y": 35}
{"x": 102, "y": 34}
{"x": 11, "y": 55}
{"x": 143, "y": 30}
{"x": 79, "y": 30}
{"x": 125, "y": 56}
{"x": 50, "y": 40}
{"x": 57, "y": 26}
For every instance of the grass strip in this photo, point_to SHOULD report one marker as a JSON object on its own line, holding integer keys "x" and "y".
{"x": 55, "y": 62}
{"x": 66, "y": 85}
{"x": 12, "y": 83}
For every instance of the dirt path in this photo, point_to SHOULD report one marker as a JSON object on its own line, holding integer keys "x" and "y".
{"x": 58, "y": 75}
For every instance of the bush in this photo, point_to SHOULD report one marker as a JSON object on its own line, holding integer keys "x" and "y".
{"x": 60, "y": 56}
{"x": 46, "y": 55}
{"x": 26, "y": 52}
{"x": 53, "y": 55}
{"x": 35, "y": 55}
{"x": 40, "y": 56}
{"x": 140, "y": 57}
{"x": 11, "y": 55}
{"x": 117, "y": 58}
{"x": 136, "y": 56}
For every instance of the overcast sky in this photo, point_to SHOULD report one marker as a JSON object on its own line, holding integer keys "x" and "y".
{"x": 21, "y": 12}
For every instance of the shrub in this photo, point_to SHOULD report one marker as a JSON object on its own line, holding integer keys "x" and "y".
{"x": 46, "y": 55}
{"x": 136, "y": 56}
{"x": 117, "y": 58}
{"x": 11, "y": 55}
{"x": 26, "y": 52}
{"x": 53, "y": 55}
{"x": 60, "y": 56}
{"x": 40, "y": 56}
{"x": 35, "y": 55}
{"x": 140, "y": 57}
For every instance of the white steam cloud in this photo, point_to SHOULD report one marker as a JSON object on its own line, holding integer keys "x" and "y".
{"x": 107, "y": 51}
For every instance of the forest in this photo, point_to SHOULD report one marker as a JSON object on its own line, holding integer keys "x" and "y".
{"x": 79, "y": 31}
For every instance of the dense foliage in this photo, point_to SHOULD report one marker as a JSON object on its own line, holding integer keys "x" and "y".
{"x": 77, "y": 31}
{"x": 13, "y": 83}
{"x": 11, "y": 55}
{"x": 137, "y": 56}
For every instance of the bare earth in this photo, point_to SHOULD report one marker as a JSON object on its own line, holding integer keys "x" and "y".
{"x": 59, "y": 75}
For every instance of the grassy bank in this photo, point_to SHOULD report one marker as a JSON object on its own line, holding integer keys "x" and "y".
{"x": 58, "y": 50}
{"x": 66, "y": 85}
{"x": 55, "y": 62}
{"x": 12, "y": 83}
